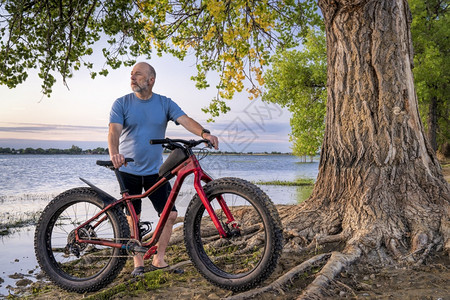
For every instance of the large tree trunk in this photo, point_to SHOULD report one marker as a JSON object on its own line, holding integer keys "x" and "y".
{"x": 380, "y": 187}
{"x": 378, "y": 177}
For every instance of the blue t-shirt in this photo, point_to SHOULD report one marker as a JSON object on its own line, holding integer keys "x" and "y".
{"x": 142, "y": 121}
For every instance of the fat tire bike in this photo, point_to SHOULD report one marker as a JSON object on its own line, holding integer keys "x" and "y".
{"x": 232, "y": 230}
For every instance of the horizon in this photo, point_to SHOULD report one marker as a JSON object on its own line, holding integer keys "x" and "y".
{"x": 16, "y": 144}
{"x": 92, "y": 146}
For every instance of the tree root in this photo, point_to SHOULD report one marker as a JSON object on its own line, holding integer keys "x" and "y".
{"x": 346, "y": 287}
{"x": 283, "y": 280}
{"x": 334, "y": 266}
{"x": 320, "y": 240}
{"x": 180, "y": 264}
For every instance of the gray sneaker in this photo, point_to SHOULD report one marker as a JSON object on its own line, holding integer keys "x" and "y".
{"x": 139, "y": 271}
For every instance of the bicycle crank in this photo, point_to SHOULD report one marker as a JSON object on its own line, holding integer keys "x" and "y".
{"x": 134, "y": 247}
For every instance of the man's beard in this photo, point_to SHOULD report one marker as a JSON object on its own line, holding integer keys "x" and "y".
{"x": 138, "y": 88}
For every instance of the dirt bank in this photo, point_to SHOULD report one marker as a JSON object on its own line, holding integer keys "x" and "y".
{"x": 431, "y": 281}
{"x": 363, "y": 281}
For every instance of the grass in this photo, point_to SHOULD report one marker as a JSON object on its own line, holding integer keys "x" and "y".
{"x": 297, "y": 182}
{"x": 18, "y": 220}
{"x": 150, "y": 281}
{"x": 140, "y": 287}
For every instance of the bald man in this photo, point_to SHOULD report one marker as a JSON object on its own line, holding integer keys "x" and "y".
{"x": 135, "y": 119}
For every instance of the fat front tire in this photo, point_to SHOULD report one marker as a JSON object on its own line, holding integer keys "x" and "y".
{"x": 74, "y": 266}
{"x": 251, "y": 252}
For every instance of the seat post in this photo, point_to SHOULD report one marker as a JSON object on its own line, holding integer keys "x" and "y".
{"x": 123, "y": 190}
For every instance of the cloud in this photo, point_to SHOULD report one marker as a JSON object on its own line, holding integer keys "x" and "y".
{"x": 38, "y": 128}
{"x": 54, "y": 132}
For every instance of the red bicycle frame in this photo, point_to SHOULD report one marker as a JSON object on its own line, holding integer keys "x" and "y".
{"x": 187, "y": 167}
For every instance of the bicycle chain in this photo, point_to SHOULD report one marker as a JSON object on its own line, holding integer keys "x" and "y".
{"x": 113, "y": 240}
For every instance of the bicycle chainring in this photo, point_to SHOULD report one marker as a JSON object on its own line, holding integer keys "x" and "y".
{"x": 131, "y": 246}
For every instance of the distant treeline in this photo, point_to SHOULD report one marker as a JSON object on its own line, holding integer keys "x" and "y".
{"x": 75, "y": 150}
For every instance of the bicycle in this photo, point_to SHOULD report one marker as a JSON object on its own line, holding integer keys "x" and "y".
{"x": 232, "y": 231}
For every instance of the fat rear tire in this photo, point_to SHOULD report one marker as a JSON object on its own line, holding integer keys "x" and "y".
{"x": 64, "y": 269}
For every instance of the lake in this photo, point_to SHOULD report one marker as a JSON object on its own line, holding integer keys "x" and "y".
{"x": 29, "y": 182}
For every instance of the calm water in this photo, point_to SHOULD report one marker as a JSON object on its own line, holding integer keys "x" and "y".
{"x": 29, "y": 182}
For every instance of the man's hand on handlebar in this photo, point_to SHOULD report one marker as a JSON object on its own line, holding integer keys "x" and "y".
{"x": 118, "y": 160}
{"x": 212, "y": 139}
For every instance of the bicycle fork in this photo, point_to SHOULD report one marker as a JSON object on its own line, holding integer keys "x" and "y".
{"x": 200, "y": 175}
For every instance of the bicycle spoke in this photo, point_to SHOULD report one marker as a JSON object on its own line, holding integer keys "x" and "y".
{"x": 75, "y": 259}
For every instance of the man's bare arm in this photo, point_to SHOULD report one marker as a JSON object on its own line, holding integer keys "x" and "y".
{"x": 194, "y": 127}
{"x": 115, "y": 129}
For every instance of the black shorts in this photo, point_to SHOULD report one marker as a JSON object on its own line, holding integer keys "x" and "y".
{"x": 136, "y": 185}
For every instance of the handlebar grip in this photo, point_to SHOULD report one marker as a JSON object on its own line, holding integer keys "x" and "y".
{"x": 210, "y": 145}
{"x": 158, "y": 141}
{"x": 108, "y": 163}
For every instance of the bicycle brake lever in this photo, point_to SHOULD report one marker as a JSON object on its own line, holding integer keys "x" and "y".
{"x": 208, "y": 144}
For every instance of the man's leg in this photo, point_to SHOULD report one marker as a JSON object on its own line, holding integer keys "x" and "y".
{"x": 134, "y": 185}
{"x": 138, "y": 258}
{"x": 159, "y": 199}
{"x": 158, "y": 258}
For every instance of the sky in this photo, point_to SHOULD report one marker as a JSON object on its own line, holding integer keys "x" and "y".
{"x": 78, "y": 114}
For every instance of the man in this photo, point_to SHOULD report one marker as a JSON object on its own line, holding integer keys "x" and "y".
{"x": 135, "y": 119}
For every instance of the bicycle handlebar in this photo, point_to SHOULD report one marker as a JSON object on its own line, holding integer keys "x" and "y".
{"x": 158, "y": 141}
{"x": 175, "y": 143}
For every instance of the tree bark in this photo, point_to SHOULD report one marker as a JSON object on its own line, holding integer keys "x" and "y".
{"x": 432, "y": 123}
{"x": 379, "y": 184}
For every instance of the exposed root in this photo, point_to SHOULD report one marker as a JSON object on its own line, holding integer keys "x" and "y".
{"x": 334, "y": 266}
{"x": 346, "y": 287}
{"x": 393, "y": 247}
{"x": 320, "y": 240}
{"x": 179, "y": 220}
{"x": 251, "y": 245}
{"x": 425, "y": 254}
{"x": 283, "y": 280}
{"x": 180, "y": 264}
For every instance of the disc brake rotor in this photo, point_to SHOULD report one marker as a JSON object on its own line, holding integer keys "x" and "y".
{"x": 74, "y": 247}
